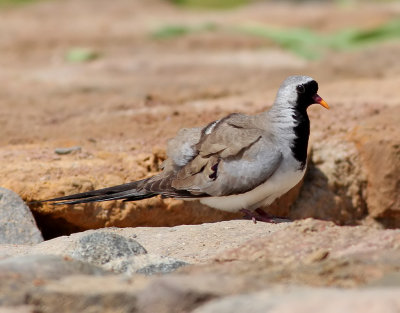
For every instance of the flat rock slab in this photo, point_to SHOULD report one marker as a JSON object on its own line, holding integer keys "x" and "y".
{"x": 313, "y": 240}
{"x": 17, "y": 225}
{"x": 17, "y": 309}
{"x": 189, "y": 243}
{"x": 199, "y": 243}
{"x": 47, "y": 267}
{"x": 20, "y": 274}
{"x": 148, "y": 264}
{"x": 238, "y": 240}
{"x": 86, "y": 294}
{"x": 305, "y": 300}
{"x": 204, "y": 293}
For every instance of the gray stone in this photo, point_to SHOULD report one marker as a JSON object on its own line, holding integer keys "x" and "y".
{"x": 18, "y": 275}
{"x": 148, "y": 264}
{"x": 62, "y": 151}
{"x": 17, "y": 225}
{"x": 47, "y": 267}
{"x": 102, "y": 247}
{"x": 182, "y": 293}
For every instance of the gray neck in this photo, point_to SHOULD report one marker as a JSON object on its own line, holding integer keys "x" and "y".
{"x": 280, "y": 121}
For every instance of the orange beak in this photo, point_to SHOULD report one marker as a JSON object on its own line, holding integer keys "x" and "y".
{"x": 321, "y": 101}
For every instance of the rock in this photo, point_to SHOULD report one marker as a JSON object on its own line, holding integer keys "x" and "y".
{"x": 10, "y": 250}
{"x": 120, "y": 254}
{"x": 355, "y": 176}
{"x": 303, "y": 300}
{"x": 197, "y": 285}
{"x": 387, "y": 280}
{"x": 111, "y": 249}
{"x": 203, "y": 288}
{"x": 189, "y": 243}
{"x": 47, "y": 267}
{"x": 378, "y": 143}
{"x": 199, "y": 243}
{"x": 62, "y": 151}
{"x": 101, "y": 247}
{"x": 182, "y": 293}
{"x": 17, "y": 225}
{"x": 163, "y": 294}
{"x": 148, "y": 264}
{"x": 17, "y": 309}
{"x": 229, "y": 259}
{"x": 314, "y": 240}
{"x": 20, "y": 274}
{"x": 334, "y": 186}
{"x": 85, "y": 294}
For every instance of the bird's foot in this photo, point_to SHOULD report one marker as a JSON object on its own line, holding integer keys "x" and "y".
{"x": 258, "y": 215}
{"x": 249, "y": 215}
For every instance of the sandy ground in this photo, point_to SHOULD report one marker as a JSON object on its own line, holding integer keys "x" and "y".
{"x": 141, "y": 90}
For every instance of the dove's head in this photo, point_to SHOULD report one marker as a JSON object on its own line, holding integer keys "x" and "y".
{"x": 299, "y": 92}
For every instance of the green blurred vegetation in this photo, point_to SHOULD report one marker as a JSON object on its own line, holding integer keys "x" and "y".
{"x": 207, "y": 4}
{"x": 211, "y": 4}
{"x": 229, "y": 4}
{"x": 5, "y": 3}
{"x": 172, "y": 31}
{"x": 80, "y": 55}
{"x": 311, "y": 45}
{"x": 303, "y": 42}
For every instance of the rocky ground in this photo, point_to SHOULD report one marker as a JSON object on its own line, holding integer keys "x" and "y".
{"x": 73, "y": 126}
{"x": 229, "y": 266}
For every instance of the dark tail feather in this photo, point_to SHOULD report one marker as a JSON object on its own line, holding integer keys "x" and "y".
{"x": 128, "y": 192}
{"x": 126, "y": 196}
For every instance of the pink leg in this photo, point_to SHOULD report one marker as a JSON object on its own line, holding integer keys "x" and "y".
{"x": 258, "y": 215}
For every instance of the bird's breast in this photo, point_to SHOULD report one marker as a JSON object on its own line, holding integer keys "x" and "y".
{"x": 284, "y": 179}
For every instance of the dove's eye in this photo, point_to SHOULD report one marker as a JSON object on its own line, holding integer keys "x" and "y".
{"x": 300, "y": 89}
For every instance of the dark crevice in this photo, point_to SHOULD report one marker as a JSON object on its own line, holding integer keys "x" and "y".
{"x": 54, "y": 227}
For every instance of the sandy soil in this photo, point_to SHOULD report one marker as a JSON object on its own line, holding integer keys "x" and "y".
{"x": 141, "y": 90}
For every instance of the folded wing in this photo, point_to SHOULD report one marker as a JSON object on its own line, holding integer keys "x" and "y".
{"x": 234, "y": 158}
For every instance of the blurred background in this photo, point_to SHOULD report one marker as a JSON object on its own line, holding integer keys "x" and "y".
{"x": 90, "y": 90}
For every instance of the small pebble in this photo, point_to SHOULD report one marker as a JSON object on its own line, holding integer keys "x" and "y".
{"x": 62, "y": 151}
{"x": 317, "y": 256}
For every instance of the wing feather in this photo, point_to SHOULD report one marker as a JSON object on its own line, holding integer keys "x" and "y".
{"x": 235, "y": 157}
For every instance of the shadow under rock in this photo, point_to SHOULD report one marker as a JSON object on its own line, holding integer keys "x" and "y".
{"x": 51, "y": 227}
{"x": 328, "y": 200}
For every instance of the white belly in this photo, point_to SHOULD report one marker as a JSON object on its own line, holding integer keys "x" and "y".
{"x": 278, "y": 184}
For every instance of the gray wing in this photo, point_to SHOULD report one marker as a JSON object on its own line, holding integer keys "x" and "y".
{"x": 230, "y": 156}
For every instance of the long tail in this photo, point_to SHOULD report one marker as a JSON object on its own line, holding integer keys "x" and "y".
{"x": 127, "y": 192}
